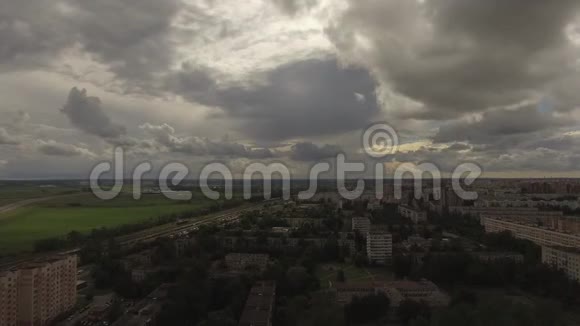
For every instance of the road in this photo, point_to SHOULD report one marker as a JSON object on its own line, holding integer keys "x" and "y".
{"x": 23, "y": 203}
{"x": 174, "y": 229}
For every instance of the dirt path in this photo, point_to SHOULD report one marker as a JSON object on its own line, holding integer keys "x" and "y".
{"x": 23, "y": 203}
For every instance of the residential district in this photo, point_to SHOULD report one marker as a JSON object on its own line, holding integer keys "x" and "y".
{"x": 511, "y": 257}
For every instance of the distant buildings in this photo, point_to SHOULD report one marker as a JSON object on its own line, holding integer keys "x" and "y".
{"x": 563, "y": 258}
{"x": 379, "y": 247}
{"x": 476, "y": 212}
{"x": 361, "y": 224}
{"x": 539, "y": 235}
{"x": 35, "y": 293}
{"x": 259, "y": 305}
{"x": 415, "y": 215}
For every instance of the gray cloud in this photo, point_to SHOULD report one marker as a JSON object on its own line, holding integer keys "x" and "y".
{"x": 307, "y": 151}
{"x": 457, "y": 56}
{"x": 165, "y": 136}
{"x": 499, "y": 125}
{"x": 85, "y": 112}
{"x": 305, "y": 98}
{"x": 7, "y": 139}
{"x": 54, "y": 148}
{"x": 458, "y": 147}
{"x": 132, "y": 38}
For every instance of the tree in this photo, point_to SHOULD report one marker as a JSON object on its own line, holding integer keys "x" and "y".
{"x": 340, "y": 276}
{"x": 409, "y": 310}
{"x": 366, "y": 309}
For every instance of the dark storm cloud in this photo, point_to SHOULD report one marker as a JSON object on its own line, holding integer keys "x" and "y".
{"x": 305, "y": 98}
{"x": 131, "y": 37}
{"x": 499, "y": 125}
{"x": 457, "y": 56}
{"x": 165, "y": 136}
{"x": 32, "y": 32}
{"x": 307, "y": 151}
{"x": 7, "y": 139}
{"x": 85, "y": 113}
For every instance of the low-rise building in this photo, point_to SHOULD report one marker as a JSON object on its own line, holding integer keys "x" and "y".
{"x": 143, "y": 258}
{"x": 396, "y": 291}
{"x": 564, "y": 258}
{"x": 259, "y": 305}
{"x": 490, "y": 257}
{"x": 243, "y": 261}
{"x": 415, "y": 215}
{"x": 182, "y": 244}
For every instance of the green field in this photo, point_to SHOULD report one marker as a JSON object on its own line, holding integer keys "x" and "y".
{"x": 327, "y": 273}
{"x": 82, "y": 212}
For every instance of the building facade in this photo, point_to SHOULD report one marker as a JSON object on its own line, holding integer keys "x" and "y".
{"x": 563, "y": 258}
{"x": 361, "y": 224}
{"x": 37, "y": 292}
{"x": 379, "y": 247}
{"x": 539, "y": 235}
{"x": 259, "y": 305}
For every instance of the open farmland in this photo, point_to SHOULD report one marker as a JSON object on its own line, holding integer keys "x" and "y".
{"x": 83, "y": 212}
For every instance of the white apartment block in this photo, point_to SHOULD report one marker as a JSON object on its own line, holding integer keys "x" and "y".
{"x": 35, "y": 293}
{"x": 415, "y": 215}
{"x": 563, "y": 258}
{"x": 361, "y": 224}
{"x": 379, "y": 247}
{"x": 539, "y": 235}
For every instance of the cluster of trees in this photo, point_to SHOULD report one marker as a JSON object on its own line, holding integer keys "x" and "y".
{"x": 493, "y": 312}
{"x": 198, "y": 299}
{"x": 460, "y": 269}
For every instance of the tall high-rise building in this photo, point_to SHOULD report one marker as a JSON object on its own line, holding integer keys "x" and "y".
{"x": 379, "y": 247}
{"x": 35, "y": 293}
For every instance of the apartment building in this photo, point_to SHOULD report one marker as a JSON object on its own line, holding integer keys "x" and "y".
{"x": 36, "y": 292}
{"x": 243, "y": 261}
{"x": 259, "y": 305}
{"x": 539, "y": 235}
{"x": 415, "y": 215}
{"x": 361, "y": 224}
{"x": 564, "y": 258}
{"x": 379, "y": 247}
{"x": 475, "y": 211}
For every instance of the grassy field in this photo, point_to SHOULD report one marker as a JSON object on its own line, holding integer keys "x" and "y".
{"x": 327, "y": 273}
{"x": 20, "y": 228}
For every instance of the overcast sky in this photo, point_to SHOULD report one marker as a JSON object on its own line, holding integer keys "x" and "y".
{"x": 495, "y": 82}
